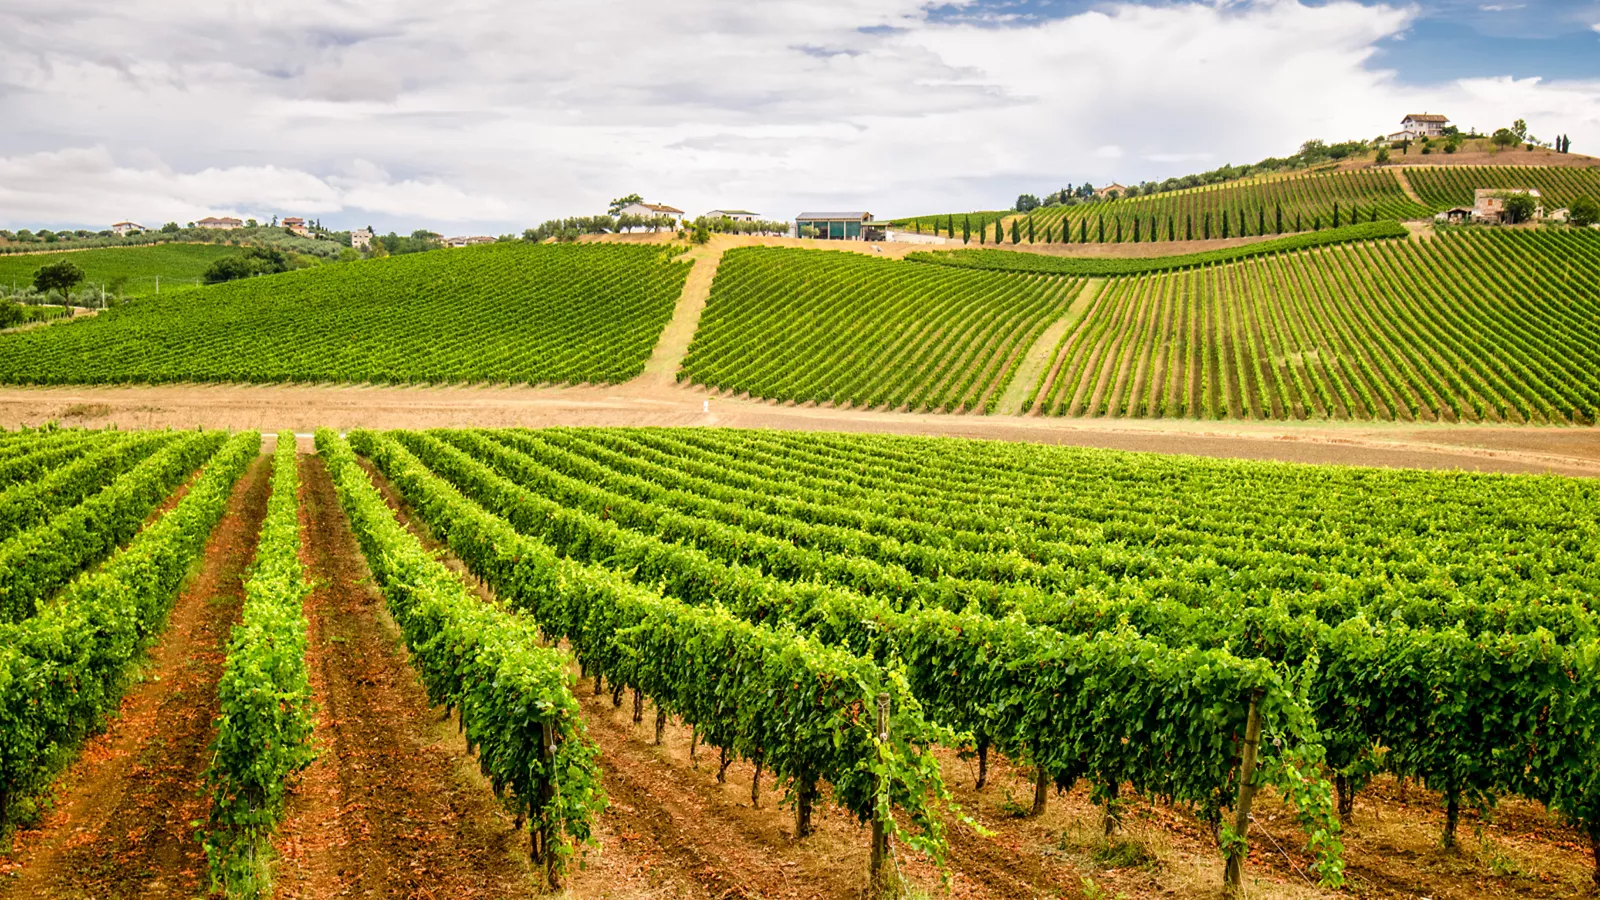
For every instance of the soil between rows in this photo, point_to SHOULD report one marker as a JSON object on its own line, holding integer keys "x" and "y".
{"x": 121, "y": 824}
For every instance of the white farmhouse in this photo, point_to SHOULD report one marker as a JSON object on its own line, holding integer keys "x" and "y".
{"x": 127, "y": 228}
{"x": 1416, "y": 126}
{"x": 651, "y": 210}
{"x": 361, "y": 238}
{"x": 734, "y": 215}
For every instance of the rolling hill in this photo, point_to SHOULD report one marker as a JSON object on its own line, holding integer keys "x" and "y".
{"x": 136, "y": 269}
{"x": 511, "y": 312}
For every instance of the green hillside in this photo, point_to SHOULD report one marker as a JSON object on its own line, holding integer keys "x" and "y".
{"x": 135, "y": 268}
{"x": 512, "y": 312}
{"x": 833, "y": 327}
{"x": 1474, "y": 325}
{"x": 1234, "y": 209}
{"x": 1088, "y": 266}
{"x": 1445, "y": 186}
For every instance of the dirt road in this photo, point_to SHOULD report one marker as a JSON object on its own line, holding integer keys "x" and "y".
{"x": 302, "y": 408}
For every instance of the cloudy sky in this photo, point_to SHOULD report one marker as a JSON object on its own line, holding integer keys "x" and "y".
{"x": 486, "y": 116}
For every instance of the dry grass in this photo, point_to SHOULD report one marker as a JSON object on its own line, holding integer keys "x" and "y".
{"x": 85, "y": 411}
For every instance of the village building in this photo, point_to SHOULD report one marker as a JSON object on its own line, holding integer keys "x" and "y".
{"x": 734, "y": 215}
{"x": 127, "y": 228}
{"x": 361, "y": 238}
{"x": 466, "y": 241}
{"x": 1112, "y": 188}
{"x": 223, "y": 223}
{"x": 1416, "y": 126}
{"x": 296, "y": 225}
{"x": 651, "y": 210}
{"x": 838, "y": 226}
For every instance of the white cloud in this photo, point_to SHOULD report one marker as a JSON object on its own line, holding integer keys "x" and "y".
{"x": 495, "y": 114}
{"x": 1500, "y": 7}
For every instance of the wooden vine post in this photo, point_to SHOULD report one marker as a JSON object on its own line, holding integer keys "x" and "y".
{"x": 543, "y": 838}
{"x": 1237, "y": 846}
{"x": 877, "y": 873}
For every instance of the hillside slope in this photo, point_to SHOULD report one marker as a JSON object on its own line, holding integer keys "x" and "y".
{"x": 136, "y": 269}
{"x": 843, "y": 328}
{"x": 1475, "y": 325}
{"x": 510, "y": 312}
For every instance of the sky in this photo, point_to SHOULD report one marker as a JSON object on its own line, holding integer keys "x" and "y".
{"x": 490, "y": 116}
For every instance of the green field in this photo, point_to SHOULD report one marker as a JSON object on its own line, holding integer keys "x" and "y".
{"x": 1236, "y": 209}
{"x": 1101, "y": 266}
{"x": 511, "y": 312}
{"x": 137, "y": 269}
{"x": 830, "y": 327}
{"x": 1448, "y": 186}
{"x": 1474, "y": 325}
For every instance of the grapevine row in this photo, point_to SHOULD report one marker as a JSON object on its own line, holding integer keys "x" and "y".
{"x": 264, "y": 695}
{"x": 62, "y": 671}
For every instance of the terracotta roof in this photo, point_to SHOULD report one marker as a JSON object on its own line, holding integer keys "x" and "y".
{"x": 294, "y": 220}
{"x": 1424, "y": 117}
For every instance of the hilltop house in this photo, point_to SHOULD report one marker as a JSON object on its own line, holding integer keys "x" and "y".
{"x": 127, "y": 228}
{"x": 225, "y": 223}
{"x": 361, "y": 238}
{"x": 651, "y": 210}
{"x": 735, "y": 215}
{"x": 296, "y": 225}
{"x": 1417, "y": 126}
{"x": 1108, "y": 190}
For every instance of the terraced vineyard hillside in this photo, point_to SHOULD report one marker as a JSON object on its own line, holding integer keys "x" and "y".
{"x": 1446, "y": 186}
{"x": 843, "y": 328}
{"x": 1475, "y": 325}
{"x": 1233, "y": 209}
{"x": 512, "y": 312}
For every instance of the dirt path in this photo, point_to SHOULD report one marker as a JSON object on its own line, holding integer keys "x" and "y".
{"x": 303, "y": 408}
{"x": 661, "y": 370}
{"x": 123, "y": 823}
{"x": 1405, "y": 185}
{"x": 1038, "y": 357}
{"x": 392, "y": 807}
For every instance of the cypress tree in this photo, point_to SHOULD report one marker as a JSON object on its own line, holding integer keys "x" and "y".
{"x": 1083, "y": 231}
{"x": 1188, "y": 226}
{"x": 1242, "y": 230}
{"x": 1102, "y": 238}
{"x": 1016, "y": 237}
{"x": 1208, "y": 226}
{"x": 1136, "y": 229}
{"x": 1119, "y": 229}
{"x": 1316, "y": 223}
{"x": 1297, "y": 222}
{"x": 1172, "y": 232}
{"x": 1225, "y": 221}
{"x": 966, "y": 229}
{"x": 1153, "y": 223}
{"x": 1374, "y": 211}
{"x": 1336, "y": 214}
{"x": 1280, "y": 218}
{"x": 950, "y": 225}
{"x": 1030, "y": 229}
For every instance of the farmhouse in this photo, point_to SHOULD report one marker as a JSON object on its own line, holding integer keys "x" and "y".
{"x": 361, "y": 238}
{"x": 127, "y": 228}
{"x": 735, "y": 215}
{"x": 651, "y": 210}
{"x": 1416, "y": 126}
{"x": 224, "y": 223}
{"x": 839, "y": 226}
{"x": 1108, "y": 190}
{"x": 1489, "y": 204}
{"x": 296, "y": 225}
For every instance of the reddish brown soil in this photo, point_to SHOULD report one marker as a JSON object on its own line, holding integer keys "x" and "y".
{"x": 391, "y": 807}
{"x": 122, "y": 823}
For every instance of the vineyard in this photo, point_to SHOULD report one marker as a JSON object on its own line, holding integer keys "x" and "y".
{"x": 842, "y": 328}
{"x": 1266, "y": 206}
{"x": 503, "y": 313}
{"x": 134, "y": 269}
{"x": 837, "y": 613}
{"x": 1473, "y": 326}
{"x": 1091, "y": 266}
{"x": 1446, "y": 186}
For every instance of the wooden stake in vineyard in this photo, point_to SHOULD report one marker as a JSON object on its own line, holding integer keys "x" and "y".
{"x": 1237, "y": 847}
{"x": 543, "y": 838}
{"x": 879, "y": 878}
